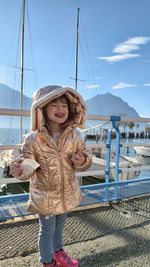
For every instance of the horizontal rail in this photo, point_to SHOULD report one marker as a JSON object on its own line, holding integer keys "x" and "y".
{"x": 101, "y": 145}
{"x": 101, "y": 172}
{"x": 83, "y": 174}
{"x": 14, "y": 112}
{"x": 17, "y": 112}
{"x": 98, "y": 145}
{"x": 108, "y": 118}
{"x": 15, "y": 147}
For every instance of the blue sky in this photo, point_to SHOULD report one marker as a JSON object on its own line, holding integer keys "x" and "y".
{"x": 114, "y": 47}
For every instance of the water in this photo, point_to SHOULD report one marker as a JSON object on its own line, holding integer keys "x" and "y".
{"x": 10, "y": 136}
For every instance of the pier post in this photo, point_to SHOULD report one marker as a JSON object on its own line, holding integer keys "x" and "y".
{"x": 114, "y": 120}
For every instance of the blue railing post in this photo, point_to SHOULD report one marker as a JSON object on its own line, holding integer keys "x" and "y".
{"x": 114, "y": 120}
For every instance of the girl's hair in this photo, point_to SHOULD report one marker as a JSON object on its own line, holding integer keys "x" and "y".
{"x": 71, "y": 114}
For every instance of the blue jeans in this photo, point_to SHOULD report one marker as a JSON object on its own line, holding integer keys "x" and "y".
{"x": 50, "y": 235}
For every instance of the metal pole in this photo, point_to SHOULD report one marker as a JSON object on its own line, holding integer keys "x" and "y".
{"x": 76, "y": 59}
{"x": 22, "y": 66}
{"x": 114, "y": 120}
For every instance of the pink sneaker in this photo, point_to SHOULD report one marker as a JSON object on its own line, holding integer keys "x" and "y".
{"x": 53, "y": 264}
{"x": 64, "y": 260}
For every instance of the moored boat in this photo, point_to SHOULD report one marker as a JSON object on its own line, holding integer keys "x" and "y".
{"x": 143, "y": 154}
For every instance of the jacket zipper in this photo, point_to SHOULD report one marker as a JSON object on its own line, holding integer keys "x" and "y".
{"x": 62, "y": 173}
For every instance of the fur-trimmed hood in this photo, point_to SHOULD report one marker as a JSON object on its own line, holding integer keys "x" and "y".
{"x": 46, "y": 94}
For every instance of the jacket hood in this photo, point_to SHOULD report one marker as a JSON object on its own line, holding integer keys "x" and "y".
{"x": 45, "y": 95}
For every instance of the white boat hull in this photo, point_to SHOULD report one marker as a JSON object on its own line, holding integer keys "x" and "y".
{"x": 126, "y": 164}
{"x": 143, "y": 154}
{"x": 142, "y": 150}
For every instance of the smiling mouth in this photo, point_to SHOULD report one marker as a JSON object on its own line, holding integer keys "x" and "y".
{"x": 60, "y": 115}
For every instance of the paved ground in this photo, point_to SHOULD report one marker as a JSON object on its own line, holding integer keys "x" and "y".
{"x": 117, "y": 235}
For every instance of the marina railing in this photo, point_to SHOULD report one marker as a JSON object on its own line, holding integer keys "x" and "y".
{"x": 108, "y": 190}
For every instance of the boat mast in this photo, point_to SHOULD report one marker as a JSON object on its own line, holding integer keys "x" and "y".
{"x": 76, "y": 58}
{"x": 22, "y": 66}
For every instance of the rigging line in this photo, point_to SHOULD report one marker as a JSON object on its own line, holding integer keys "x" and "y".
{"x": 73, "y": 53}
{"x": 17, "y": 56}
{"x": 77, "y": 79}
{"x": 31, "y": 46}
{"x": 86, "y": 66}
{"x": 15, "y": 75}
{"x": 72, "y": 58}
{"x": 14, "y": 66}
{"x": 86, "y": 45}
{"x": 12, "y": 101}
{"x": 13, "y": 37}
{"x": 121, "y": 156}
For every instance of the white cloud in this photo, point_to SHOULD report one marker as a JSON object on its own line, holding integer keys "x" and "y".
{"x": 122, "y": 85}
{"x": 123, "y": 49}
{"x": 147, "y": 84}
{"x": 131, "y": 44}
{"x": 138, "y": 40}
{"x": 92, "y": 86}
{"x": 119, "y": 57}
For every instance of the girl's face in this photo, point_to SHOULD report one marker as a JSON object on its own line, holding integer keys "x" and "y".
{"x": 57, "y": 110}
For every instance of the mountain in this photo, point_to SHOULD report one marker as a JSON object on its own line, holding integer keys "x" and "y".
{"x": 108, "y": 104}
{"x": 104, "y": 105}
{"x": 10, "y": 98}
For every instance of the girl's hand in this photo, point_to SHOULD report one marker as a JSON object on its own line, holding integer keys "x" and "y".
{"x": 78, "y": 159}
{"x": 16, "y": 168}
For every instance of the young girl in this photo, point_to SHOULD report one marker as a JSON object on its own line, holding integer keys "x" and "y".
{"x": 59, "y": 150}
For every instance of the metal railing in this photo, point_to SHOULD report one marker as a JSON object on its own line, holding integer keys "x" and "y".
{"x": 108, "y": 190}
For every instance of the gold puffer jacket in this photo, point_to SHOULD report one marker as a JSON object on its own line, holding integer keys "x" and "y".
{"x": 54, "y": 188}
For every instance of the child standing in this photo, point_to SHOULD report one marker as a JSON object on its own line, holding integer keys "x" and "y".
{"x": 59, "y": 150}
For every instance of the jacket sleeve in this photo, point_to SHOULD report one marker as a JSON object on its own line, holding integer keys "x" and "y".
{"x": 27, "y": 152}
{"x": 81, "y": 146}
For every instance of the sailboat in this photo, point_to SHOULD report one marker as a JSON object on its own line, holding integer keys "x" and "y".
{"x": 9, "y": 155}
{"x": 20, "y": 112}
{"x": 12, "y": 154}
{"x": 100, "y": 161}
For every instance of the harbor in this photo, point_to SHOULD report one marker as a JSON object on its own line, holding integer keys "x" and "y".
{"x": 111, "y": 225}
{"x": 104, "y": 182}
